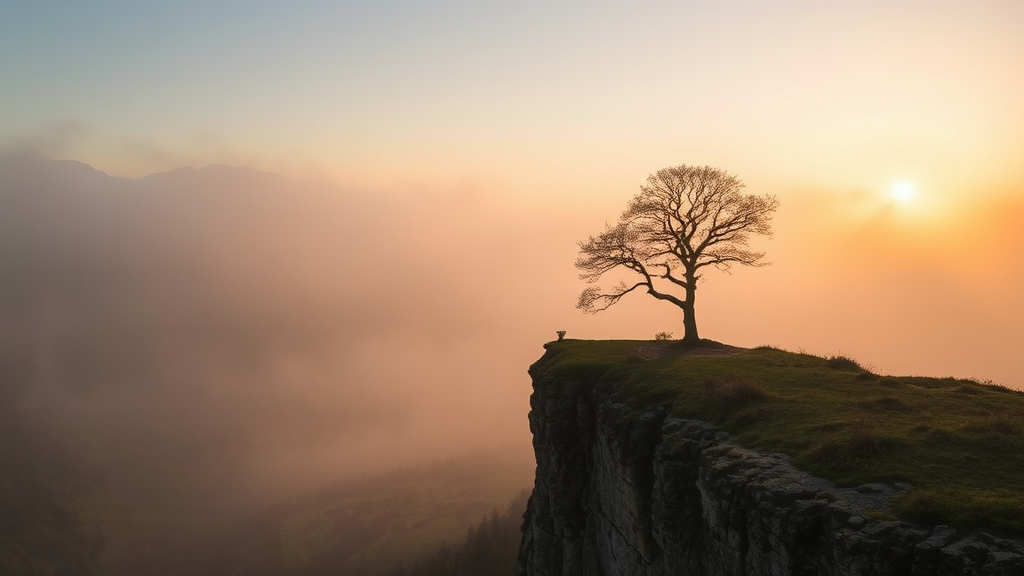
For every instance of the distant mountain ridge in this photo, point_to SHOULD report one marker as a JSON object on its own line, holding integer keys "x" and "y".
{"x": 183, "y": 348}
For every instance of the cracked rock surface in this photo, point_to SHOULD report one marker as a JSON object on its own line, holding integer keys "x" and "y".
{"x": 624, "y": 491}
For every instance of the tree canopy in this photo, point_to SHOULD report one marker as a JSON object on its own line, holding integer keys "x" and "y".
{"x": 683, "y": 219}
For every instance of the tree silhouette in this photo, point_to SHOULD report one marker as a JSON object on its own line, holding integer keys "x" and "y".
{"x": 683, "y": 219}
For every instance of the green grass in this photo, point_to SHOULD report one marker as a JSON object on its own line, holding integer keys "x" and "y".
{"x": 959, "y": 443}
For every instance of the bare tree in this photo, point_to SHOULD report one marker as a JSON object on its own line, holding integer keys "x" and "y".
{"x": 683, "y": 219}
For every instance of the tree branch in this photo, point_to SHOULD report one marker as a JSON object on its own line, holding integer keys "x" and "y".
{"x": 683, "y": 219}
{"x": 591, "y": 298}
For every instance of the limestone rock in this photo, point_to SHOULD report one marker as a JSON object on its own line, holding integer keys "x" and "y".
{"x": 622, "y": 491}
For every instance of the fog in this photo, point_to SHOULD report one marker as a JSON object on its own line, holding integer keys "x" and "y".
{"x": 210, "y": 340}
{"x": 220, "y": 338}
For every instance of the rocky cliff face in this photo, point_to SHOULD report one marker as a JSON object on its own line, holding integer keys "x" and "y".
{"x": 626, "y": 491}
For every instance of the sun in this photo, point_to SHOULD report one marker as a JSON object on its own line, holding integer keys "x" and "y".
{"x": 903, "y": 191}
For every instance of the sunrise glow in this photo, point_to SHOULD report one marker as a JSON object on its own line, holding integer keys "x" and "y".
{"x": 250, "y": 249}
{"x": 903, "y": 191}
{"x": 558, "y": 115}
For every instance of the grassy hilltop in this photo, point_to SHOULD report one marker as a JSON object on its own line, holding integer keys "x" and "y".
{"x": 959, "y": 443}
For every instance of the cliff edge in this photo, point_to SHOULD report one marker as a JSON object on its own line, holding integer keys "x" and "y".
{"x": 629, "y": 487}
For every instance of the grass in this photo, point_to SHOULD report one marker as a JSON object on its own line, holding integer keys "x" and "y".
{"x": 959, "y": 443}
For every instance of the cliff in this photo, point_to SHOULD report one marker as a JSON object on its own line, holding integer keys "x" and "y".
{"x": 626, "y": 487}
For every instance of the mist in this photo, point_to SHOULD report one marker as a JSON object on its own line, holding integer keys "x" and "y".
{"x": 205, "y": 342}
{"x": 208, "y": 341}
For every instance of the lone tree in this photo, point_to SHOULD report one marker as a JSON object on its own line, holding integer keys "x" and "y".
{"x": 683, "y": 219}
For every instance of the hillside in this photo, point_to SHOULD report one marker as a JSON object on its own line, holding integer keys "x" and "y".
{"x": 43, "y": 526}
{"x": 371, "y": 525}
{"x": 179, "y": 350}
{"x": 366, "y": 525}
{"x": 657, "y": 458}
{"x": 57, "y": 518}
{"x": 958, "y": 443}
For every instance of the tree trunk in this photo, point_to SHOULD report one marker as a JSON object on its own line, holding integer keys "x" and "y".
{"x": 689, "y": 319}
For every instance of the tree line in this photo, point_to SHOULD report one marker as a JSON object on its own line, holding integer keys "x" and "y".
{"x": 489, "y": 549}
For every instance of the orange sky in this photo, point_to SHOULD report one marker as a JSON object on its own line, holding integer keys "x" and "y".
{"x": 555, "y": 114}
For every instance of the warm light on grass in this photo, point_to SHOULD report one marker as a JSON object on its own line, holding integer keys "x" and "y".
{"x": 960, "y": 444}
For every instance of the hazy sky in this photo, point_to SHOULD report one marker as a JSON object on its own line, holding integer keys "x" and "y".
{"x": 564, "y": 108}
{"x": 538, "y": 98}
{"x": 392, "y": 239}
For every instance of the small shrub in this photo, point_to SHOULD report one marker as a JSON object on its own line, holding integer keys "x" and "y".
{"x": 663, "y": 336}
{"x": 561, "y": 334}
{"x": 840, "y": 362}
{"x": 991, "y": 386}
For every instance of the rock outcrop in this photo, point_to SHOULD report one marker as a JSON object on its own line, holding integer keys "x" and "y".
{"x": 624, "y": 490}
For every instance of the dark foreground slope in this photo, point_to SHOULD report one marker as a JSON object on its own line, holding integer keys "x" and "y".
{"x": 658, "y": 459}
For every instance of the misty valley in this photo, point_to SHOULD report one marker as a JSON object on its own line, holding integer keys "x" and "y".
{"x": 221, "y": 371}
{"x": 358, "y": 288}
{"x": 443, "y": 517}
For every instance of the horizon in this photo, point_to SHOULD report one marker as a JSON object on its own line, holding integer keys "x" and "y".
{"x": 247, "y": 248}
{"x": 644, "y": 315}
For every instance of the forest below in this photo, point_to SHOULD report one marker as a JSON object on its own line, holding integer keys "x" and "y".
{"x": 457, "y": 516}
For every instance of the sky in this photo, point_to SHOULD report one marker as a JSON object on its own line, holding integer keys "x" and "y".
{"x": 535, "y": 99}
{"x": 249, "y": 248}
{"x": 539, "y": 120}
